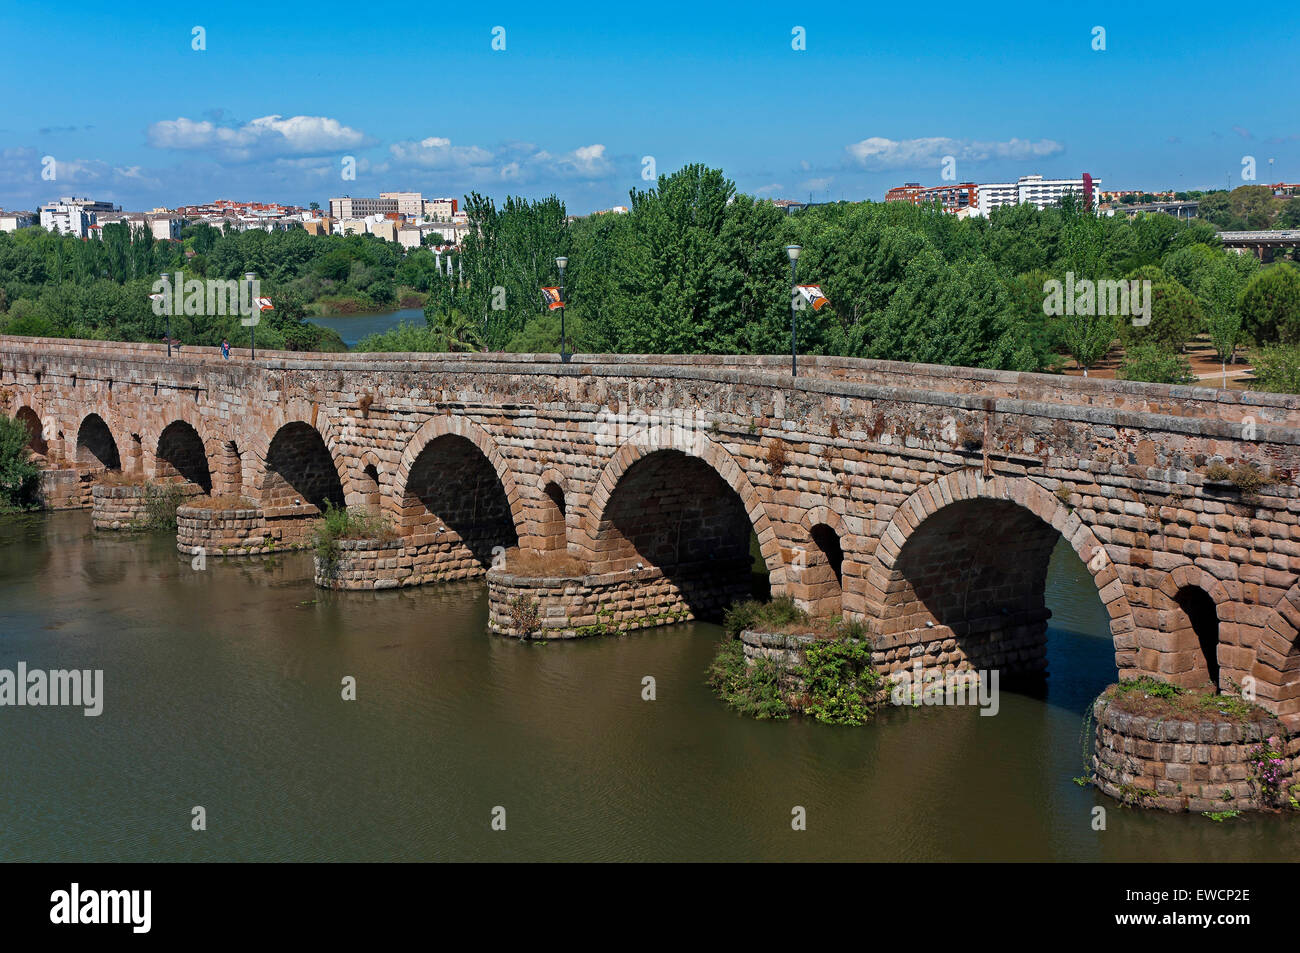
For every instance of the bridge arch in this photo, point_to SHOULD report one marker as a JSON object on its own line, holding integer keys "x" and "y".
{"x": 249, "y": 457}
{"x": 37, "y": 439}
{"x": 185, "y": 448}
{"x": 550, "y": 513}
{"x": 653, "y": 489}
{"x": 996, "y": 535}
{"x": 96, "y": 448}
{"x": 820, "y": 584}
{"x": 453, "y": 490}
{"x": 297, "y": 468}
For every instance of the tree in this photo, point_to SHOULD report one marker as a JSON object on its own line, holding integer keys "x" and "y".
{"x": 19, "y": 476}
{"x": 1155, "y": 364}
{"x": 1270, "y": 305}
{"x": 1277, "y": 370}
{"x": 1088, "y": 338}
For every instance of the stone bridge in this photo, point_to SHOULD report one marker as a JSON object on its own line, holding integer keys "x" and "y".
{"x": 633, "y": 491}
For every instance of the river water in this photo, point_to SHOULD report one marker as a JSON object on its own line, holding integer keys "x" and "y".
{"x": 352, "y": 328}
{"x": 223, "y": 690}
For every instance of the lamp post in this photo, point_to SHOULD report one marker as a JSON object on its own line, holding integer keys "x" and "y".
{"x": 793, "y": 252}
{"x": 255, "y": 318}
{"x": 562, "y": 262}
{"x": 163, "y": 276}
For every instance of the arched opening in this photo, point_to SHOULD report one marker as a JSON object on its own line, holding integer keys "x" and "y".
{"x": 35, "y": 432}
{"x": 967, "y": 590}
{"x": 823, "y": 577}
{"x": 673, "y": 514}
{"x": 1198, "y": 614}
{"x": 300, "y": 470}
{"x": 233, "y": 466}
{"x": 181, "y": 457}
{"x": 96, "y": 448}
{"x": 455, "y": 500}
{"x": 369, "y": 486}
{"x": 551, "y": 522}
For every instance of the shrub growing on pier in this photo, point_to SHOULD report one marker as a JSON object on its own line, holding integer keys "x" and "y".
{"x": 19, "y": 476}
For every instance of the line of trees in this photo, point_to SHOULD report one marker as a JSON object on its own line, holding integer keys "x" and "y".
{"x": 61, "y": 286}
{"x": 694, "y": 267}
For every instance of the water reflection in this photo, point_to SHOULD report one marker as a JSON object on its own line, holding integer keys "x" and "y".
{"x": 223, "y": 690}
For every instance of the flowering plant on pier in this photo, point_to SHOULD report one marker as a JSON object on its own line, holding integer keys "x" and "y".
{"x": 1268, "y": 768}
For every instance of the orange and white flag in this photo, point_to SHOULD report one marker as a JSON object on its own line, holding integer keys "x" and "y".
{"x": 552, "y": 298}
{"x": 813, "y": 295}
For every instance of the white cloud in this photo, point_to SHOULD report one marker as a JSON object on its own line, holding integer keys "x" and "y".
{"x": 880, "y": 153}
{"x": 267, "y": 136}
{"x": 768, "y": 189}
{"x": 511, "y": 161}
{"x": 436, "y": 152}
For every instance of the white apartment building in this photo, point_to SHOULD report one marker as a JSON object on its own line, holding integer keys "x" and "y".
{"x": 995, "y": 195}
{"x": 73, "y": 216}
{"x": 12, "y": 221}
{"x": 1033, "y": 190}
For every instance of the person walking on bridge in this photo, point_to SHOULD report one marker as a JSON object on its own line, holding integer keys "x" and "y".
{"x": 225, "y": 349}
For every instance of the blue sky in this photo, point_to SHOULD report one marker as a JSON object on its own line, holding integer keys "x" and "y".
{"x": 583, "y": 92}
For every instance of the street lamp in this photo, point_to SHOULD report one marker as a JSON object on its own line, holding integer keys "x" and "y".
{"x": 562, "y": 262}
{"x": 163, "y": 276}
{"x": 255, "y": 318}
{"x": 793, "y": 252}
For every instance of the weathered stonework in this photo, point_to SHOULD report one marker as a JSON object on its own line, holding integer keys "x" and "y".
{"x": 1177, "y": 765}
{"x": 125, "y": 507}
{"x": 863, "y": 494}
{"x": 604, "y": 603}
{"x": 222, "y": 532}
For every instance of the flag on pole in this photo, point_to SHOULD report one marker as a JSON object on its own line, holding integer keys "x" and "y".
{"x": 552, "y": 298}
{"x": 264, "y": 304}
{"x": 813, "y": 295}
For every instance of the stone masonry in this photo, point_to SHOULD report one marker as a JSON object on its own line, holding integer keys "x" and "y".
{"x": 923, "y": 500}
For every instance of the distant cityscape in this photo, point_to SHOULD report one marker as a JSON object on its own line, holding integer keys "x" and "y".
{"x": 411, "y": 220}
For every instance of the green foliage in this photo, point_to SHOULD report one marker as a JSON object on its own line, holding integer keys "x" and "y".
{"x": 693, "y": 267}
{"x": 1277, "y": 369}
{"x": 1221, "y": 816}
{"x": 1155, "y": 364}
{"x": 339, "y": 522}
{"x": 1087, "y": 338}
{"x": 1270, "y": 305}
{"x": 1146, "y": 685}
{"x": 750, "y": 689}
{"x": 764, "y": 616}
{"x": 19, "y": 476}
{"x": 1176, "y": 315}
{"x": 841, "y": 685}
{"x": 160, "y": 503}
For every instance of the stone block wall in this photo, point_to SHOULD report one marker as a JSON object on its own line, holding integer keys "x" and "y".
{"x": 222, "y": 532}
{"x": 605, "y": 603}
{"x": 1177, "y": 765}
{"x": 65, "y": 489}
{"x": 125, "y": 507}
